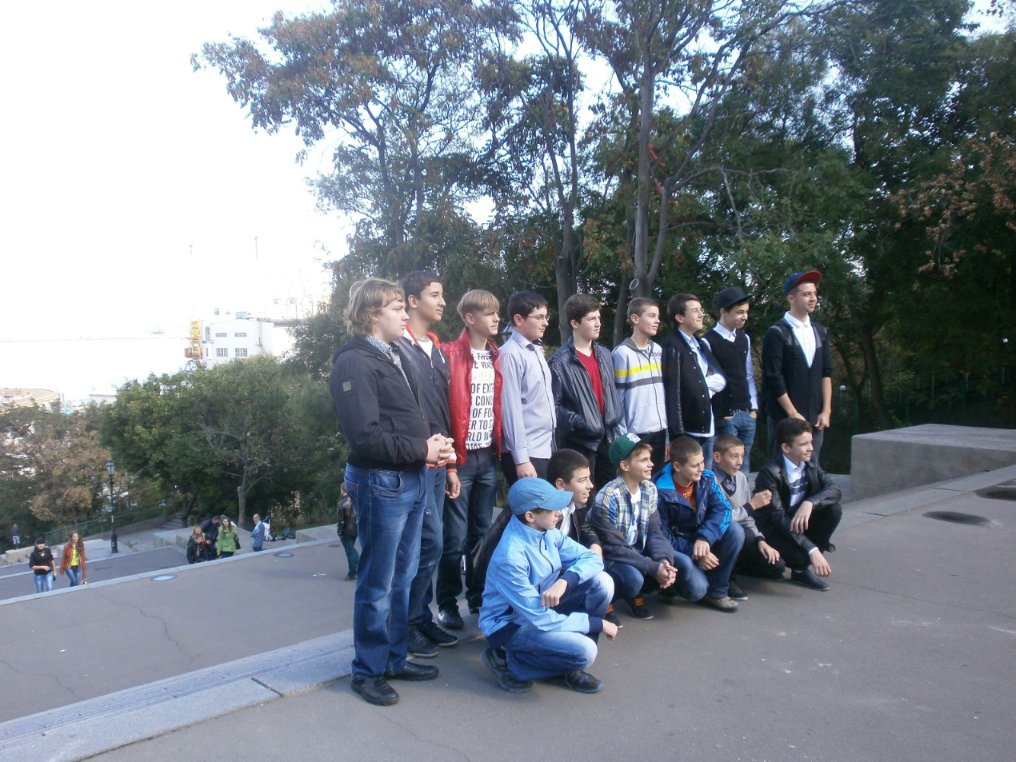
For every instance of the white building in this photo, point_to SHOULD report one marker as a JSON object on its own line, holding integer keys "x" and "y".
{"x": 238, "y": 338}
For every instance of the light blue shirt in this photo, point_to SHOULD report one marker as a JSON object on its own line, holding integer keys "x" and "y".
{"x": 528, "y": 416}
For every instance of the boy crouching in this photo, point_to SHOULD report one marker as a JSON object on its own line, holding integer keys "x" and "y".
{"x": 545, "y": 597}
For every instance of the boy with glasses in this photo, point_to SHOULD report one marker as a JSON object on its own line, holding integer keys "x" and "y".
{"x": 527, "y": 398}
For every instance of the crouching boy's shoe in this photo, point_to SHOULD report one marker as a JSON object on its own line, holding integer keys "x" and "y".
{"x": 499, "y": 668}
{"x": 582, "y": 682}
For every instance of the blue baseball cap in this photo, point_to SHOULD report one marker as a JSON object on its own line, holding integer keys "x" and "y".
{"x": 812, "y": 276}
{"x": 530, "y": 494}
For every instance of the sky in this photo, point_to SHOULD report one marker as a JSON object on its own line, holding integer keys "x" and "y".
{"x": 132, "y": 188}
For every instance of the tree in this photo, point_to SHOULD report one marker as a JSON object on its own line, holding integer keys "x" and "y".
{"x": 250, "y": 424}
{"x": 388, "y": 82}
{"x": 695, "y": 49}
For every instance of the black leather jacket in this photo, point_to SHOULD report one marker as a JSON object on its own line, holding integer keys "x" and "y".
{"x": 684, "y": 389}
{"x": 578, "y": 414}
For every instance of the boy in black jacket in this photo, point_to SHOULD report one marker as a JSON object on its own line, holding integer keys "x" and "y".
{"x": 804, "y": 509}
{"x": 586, "y": 400}
{"x": 569, "y": 471}
{"x": 377, "y": 400}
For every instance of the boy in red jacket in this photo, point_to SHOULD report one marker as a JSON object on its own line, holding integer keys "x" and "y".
{"x": 475, "y": 404}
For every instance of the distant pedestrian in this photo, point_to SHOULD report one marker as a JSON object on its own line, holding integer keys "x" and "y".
{"x": 257, "y": 534}
{"x": 196, "y": 546}
{"x": 346, "y": 527}
{"x": 229, "y": 541}
{"x": 15, "y": 537}
{"x": 41, "y": 562}
{"x": 73, "y": 562}
{"x": 210, "y": 527}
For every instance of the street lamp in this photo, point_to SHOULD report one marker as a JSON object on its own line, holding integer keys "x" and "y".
{"x": 111, "y": 469}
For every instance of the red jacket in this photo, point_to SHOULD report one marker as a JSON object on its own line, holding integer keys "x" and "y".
{"x": 460, "y": 397}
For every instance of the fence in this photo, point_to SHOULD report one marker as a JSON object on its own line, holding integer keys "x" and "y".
{"x": 102, "y": 523}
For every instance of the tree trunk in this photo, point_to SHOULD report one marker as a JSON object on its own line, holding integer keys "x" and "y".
{"x": 241, "y": 500}
{"x": 641, "y": 252}
{"x": 621, "y": 315}
{"x": 564, "y": 276}
{"x": 867, "y": 342}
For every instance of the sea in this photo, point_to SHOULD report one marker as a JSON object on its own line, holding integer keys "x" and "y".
{"x": 80, "y": 367}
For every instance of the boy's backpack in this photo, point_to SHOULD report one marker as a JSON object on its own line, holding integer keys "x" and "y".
{"x": 484, "y": 549}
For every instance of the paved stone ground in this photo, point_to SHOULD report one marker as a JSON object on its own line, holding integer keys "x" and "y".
{"x": 908, "y": 657}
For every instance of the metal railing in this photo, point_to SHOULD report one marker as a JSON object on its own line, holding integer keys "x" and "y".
{"x": 101, "y": 524}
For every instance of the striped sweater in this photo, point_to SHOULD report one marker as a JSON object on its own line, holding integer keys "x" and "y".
{"x": 638, "y": 376}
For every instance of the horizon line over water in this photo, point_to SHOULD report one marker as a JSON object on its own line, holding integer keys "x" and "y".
{"x": 77, "y": 367}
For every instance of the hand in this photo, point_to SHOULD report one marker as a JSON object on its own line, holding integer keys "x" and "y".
{"x": 701, "y": 550}
{"x": 552, "y": 596}
{"x": 708, "y": 562}
{"x": 525, "y": 470}
{"x": 822, "y": 567}
{"x": 609, "y": 629}
{"x": 666, "y": 575}
{"x": 799, "y": 523}
{"x": 596, "y": 549}
{"x": 753, "y": 414}
{"x": 771, "y": 554}
{"x": 795, "y": 414}
{"x": 666, "y": 453}
{"x": 761, "y": 499}
{"x": 454, "y": 487}
{"x": 823, "y": 420}
{"x": 436, "y": 449}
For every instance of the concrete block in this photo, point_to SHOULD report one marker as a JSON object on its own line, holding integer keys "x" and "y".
{"x": 888, "y": 461}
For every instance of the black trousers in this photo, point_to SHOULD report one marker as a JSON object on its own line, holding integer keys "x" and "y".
{"x": 752, "y": 563}
{"x": 600, "y": 467}
{"x": 821, "y": 525}
{"x": 510, "y": 474}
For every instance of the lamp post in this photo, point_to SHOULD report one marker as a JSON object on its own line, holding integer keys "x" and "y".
{"x": 111, "y": 469}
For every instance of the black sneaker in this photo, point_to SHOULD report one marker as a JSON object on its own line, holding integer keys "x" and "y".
{"x": 436, "y": 635}
{"x": 499, "y": 668}
{"x": 736, "y": 592}
{"x": 450, "y": 619}
{"x": 809, "y": 580}
{"x": 418, "y": 645}
{"x": 639, "y": 609}
{"x": 612, "y": 617}
{"x": 582, "y": 682}
{"x": 669, "y": 597}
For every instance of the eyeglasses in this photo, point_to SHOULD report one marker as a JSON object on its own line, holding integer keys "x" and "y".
{"x": 695, "y": 311}
{"x": 539, "y": 318}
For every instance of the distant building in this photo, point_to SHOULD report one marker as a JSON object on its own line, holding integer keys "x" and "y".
{"x": 20, "y": 397}
{"x": 241, "y": 337}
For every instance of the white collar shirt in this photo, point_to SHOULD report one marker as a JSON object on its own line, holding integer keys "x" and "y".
{"x": 805, "y": 335}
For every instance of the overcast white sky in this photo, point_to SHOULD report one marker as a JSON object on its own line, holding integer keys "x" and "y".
{"x": 117, "y": 158}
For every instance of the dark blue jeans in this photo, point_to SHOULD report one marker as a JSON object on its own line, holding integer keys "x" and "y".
{"x": 534, "y": 654}
{"x": 629, "y": 582}
{"x": 389, "y": 511}
{"x": 742, "y": 426}
{"x": 466, "y": 519}
{"x": 421, "y": 592}
{"x": 352, "y": 557}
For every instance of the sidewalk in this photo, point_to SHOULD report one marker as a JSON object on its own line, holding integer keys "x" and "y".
{"x": 905, "y": 658}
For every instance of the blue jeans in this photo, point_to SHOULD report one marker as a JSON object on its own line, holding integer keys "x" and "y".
{"x": 716, "y": 582}
{"x": 44, "y": 582}
{"x": 74, "y": 575}
{"x": 534, "y": 654}
{"x": 389, "y": 511}
{"x": 742, "y": 426}
{"x": 421, "y": 592}
{"x": 629, "y": 582}
{"x": 352, "y": 557}
{"x": 466, "y": 519}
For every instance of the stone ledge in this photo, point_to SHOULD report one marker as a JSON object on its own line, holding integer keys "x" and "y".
{"x": 890, "y": 461}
